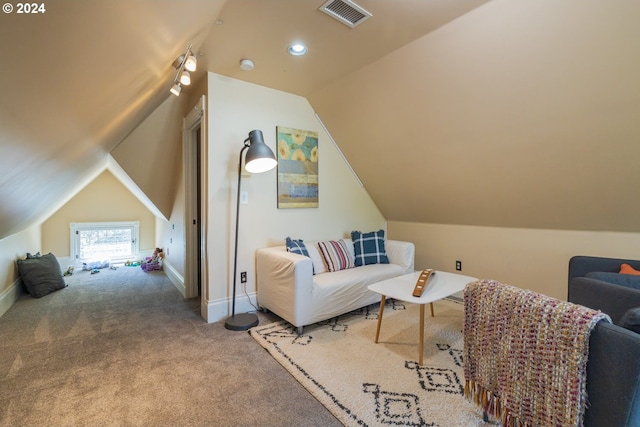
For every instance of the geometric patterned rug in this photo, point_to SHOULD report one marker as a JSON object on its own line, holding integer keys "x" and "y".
{"x": 367, "y": 384}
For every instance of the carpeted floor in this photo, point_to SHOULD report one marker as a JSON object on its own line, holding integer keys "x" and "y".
{"x": 123, "y": 348}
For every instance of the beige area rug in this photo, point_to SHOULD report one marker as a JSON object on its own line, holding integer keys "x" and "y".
{"x": 368, "y": 384}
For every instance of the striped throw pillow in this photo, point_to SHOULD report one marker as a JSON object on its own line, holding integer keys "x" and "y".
{"x": 336, "y": 255}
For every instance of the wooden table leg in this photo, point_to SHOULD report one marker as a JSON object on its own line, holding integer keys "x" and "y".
{"x": 382, "y": 300}
{"x": 421, "y": 346}
{"x": 431, "y": 304}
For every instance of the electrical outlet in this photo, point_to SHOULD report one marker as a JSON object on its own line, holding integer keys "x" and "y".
{"x": 458, "y": 265}
{"x": 243, "y": 277}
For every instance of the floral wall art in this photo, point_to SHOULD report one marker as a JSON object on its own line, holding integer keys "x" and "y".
{"x": 297, "y": 168}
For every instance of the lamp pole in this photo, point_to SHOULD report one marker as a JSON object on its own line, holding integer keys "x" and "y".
{"x": 258, "y": 152}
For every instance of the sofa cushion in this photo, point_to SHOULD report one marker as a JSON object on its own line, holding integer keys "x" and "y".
{"x": 41, "y": 275}
{"x": 627, "y": 280}
{"x": 369, "y": 248}
{"x": 343, "y": 282}
{"x": 631, "y": 320}
{"x": 627, "y": 269}
{"x": 316, "y": 258}
{"x": 336, "y": 255}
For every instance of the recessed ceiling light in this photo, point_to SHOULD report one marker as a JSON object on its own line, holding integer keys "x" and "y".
{"x": 297, "y": 49}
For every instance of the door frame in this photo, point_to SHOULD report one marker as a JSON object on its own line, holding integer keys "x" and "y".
{"x": 193, "y": 122}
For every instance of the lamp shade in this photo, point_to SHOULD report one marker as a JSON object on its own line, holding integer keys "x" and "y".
{"x": 259, "y": 157}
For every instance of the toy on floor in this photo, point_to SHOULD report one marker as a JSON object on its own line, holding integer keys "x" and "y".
{"x": 94, "y": 265}
{"x": 154, "y": 262}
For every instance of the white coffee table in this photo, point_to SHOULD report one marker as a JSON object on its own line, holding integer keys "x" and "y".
{"x": 441, "y": 284}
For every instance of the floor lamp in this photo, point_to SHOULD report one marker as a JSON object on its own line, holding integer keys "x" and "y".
{"x": 259, "y": 158}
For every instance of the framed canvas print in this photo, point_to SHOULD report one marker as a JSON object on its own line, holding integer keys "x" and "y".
{"x": 297, "y": 168}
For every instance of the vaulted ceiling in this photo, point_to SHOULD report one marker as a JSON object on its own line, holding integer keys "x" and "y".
{"x": 79, "y": 76}
{"x": 516, "y": 114}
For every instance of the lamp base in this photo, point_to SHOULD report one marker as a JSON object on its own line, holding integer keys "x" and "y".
{"x": 241, "y": 322}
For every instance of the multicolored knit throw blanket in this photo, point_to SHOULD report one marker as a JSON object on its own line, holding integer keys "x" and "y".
{"x": 525, "y": 355}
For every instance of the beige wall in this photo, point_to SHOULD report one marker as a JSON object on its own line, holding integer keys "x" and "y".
{"x": 12, "y": 248}
{"x": 236, "y": 108}
{"x": 528, "y": 258}
{"x": 104, "y": 199}
{"x": 521, "y": 114}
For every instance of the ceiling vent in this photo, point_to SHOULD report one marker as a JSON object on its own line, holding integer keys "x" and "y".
{"x": 346, "y": 12}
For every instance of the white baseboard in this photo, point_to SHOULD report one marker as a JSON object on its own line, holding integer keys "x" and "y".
{"x": 10, "y": 296}
{"x": 220, "y": 309}
{"x": 175, "y": 277}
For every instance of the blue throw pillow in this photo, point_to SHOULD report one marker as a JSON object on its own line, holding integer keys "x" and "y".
{"x": 297, "y": 247}
{"x": 369, "y": 248}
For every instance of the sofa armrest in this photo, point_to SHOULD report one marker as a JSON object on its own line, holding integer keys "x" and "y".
{"x": 613, "y": 377}
{"x": 284, "y": 282}
{"x": 401, "y": 253}
{"x": 580, "y": 265}
{"x": 612, "y": 299}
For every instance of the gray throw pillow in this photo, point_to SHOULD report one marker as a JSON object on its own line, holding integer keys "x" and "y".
{"x": 631, "y": 320}
{"x": 41, "y": 275}
{"x": 627, "y": 280}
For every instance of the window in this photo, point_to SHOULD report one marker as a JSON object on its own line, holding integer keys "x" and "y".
{"x": 113, "y": 241}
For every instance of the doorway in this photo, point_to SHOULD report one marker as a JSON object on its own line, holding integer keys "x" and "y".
{"x": 195, "y": 172}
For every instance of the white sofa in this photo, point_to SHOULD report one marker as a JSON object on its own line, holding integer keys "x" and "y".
{"x": 287, "y": 286}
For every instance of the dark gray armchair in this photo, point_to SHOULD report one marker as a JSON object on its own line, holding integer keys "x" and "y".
{"x": 613, "y": 370}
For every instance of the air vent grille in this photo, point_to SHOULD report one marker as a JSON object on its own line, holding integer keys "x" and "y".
{"x": 346, "y": 12}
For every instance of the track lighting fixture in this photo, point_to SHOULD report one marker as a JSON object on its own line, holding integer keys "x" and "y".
{"x": 184, "y": 63}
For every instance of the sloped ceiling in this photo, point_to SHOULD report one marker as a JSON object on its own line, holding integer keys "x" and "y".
{"x": 520, "y": 114}
{"x": 262, "y": 30}
{"x": 514, "y": 114}
{"x": 80, "y": 77}
{"x": 76, "y": 80}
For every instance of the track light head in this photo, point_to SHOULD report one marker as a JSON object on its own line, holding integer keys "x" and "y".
{"x": 176, "y": 89}
{"x": 185, "y": 78}
{"x": 178, "y": 62}
{"x": 191, "y": 63}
